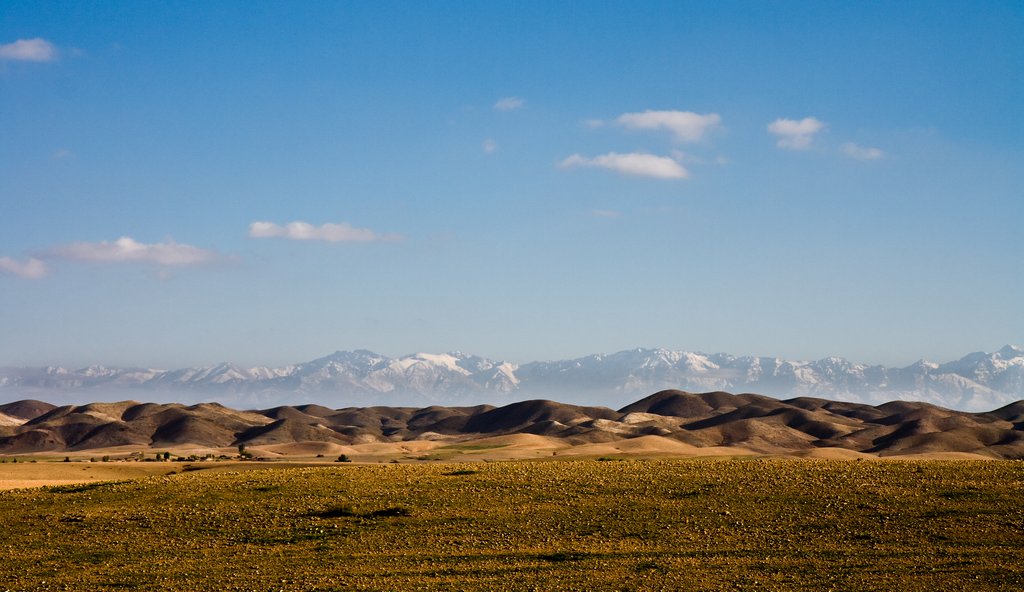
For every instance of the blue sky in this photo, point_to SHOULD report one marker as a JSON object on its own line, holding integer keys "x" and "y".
{"x": 265, "y": 183}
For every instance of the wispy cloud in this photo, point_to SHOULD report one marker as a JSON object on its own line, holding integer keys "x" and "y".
{"x": 62, "y": 153}
{"x": 795, "y": 134}
{"x": 605, "y": 213}
{"x": 490, "y": 146}
{"x": 128, "y": 250}
{"x": 28, "y": 50}
{"x": 333, "y": 233}
{"x": 635, "y": 163}
{"x": 31, "y": 269}
{"x": 860, "y": 153}
{"x": 686, "y": 126}
{"x": 509, "y": 104}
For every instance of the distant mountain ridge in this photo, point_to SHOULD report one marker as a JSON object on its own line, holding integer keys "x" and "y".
{"x": 978, "y": 381}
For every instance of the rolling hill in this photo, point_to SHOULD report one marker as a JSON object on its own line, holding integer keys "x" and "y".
{"x": 749, "y": 423}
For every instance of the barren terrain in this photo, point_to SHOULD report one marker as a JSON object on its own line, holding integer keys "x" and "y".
{"x": 668, "y": 423}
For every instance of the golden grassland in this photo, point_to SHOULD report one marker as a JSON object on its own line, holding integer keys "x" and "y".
{"x": 735, "y": 524}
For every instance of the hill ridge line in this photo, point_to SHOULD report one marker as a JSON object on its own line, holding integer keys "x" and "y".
{"x": 751, "y": 422}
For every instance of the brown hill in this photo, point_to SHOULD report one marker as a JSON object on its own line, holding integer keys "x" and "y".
{"x": 694, "y": 405}
{"x": 27, "y": 409}
{"x": 522, "y": 416}
{"x": 286, "y": 431}
{"x": 715, "y": 421}
{"x": 1013, "y": 412}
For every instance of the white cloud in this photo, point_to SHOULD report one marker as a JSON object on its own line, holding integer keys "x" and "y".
{"x": 127, "y": 249}
{"x": 333, "y": 233}
{"x": 29, "y": 50}
{"x": 593, "y": 123}
{"x": 31, "y": 269}
{"x": 854, "y": 151}
{"x": 685, "y": 125}
{"x": 490, "y": 146}
{"x": 62, "y": 154}
{"x": 636, "y": 163}
{"x": 793, "y": 134}
{"x": 509, "y": 104}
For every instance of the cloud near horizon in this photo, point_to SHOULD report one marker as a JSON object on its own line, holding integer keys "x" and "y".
{"x": 128, "y": 250}
{"x": 31, "y": 269}
{"x": 29, "y": 50}
{"x": 509, "y": 104}
{"x": 332, "y": 233}
{"x": 795, "y": 134}
{"x": 686, "y": 126}
{"x": 862, "y": 153}
{"x": 635, "y": 163}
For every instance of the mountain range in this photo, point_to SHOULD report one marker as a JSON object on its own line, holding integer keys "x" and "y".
{"x": 977, "y": 381}
{"x": 669, "y": 422}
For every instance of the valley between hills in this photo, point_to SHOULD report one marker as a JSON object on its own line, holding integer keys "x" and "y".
{"x": 669, "y": 423}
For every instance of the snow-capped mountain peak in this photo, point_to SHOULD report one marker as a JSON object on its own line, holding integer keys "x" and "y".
{"x": 977, "y": 381}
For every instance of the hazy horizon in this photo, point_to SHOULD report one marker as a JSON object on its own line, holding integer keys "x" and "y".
{"x": 212, "y": 363}
{"x": 263, "y": 184}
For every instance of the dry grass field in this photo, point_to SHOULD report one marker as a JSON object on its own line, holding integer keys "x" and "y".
{"x": 758, "y": 524}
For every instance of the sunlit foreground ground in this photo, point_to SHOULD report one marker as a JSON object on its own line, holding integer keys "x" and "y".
{"x": 524, "y": 525}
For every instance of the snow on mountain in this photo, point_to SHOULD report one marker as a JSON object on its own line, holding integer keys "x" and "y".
{"x": 978, "y": 381}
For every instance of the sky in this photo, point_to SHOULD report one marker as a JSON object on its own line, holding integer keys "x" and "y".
{"x": 265, "y": 183}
